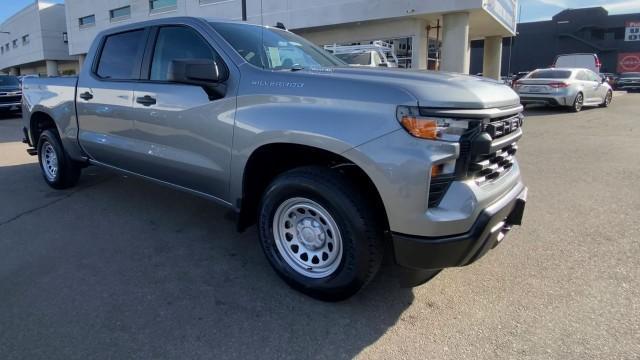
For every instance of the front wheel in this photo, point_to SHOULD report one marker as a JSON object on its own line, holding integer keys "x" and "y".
{"x": 607, "y": 99}
{"x": 578, "y": 103}
{"x": 58, "y": 170}
{"x": 319, "y": 233}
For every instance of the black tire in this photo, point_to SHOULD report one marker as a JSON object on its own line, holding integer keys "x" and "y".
{"x": 607, "y": 99}
{"x": 578, "y": 103}
{"x": 67, "y": 171}
{"x": 358, "y": 224}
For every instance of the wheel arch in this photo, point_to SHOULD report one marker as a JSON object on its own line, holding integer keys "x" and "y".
{"x": 269, "y": 160}
{"x": 39, "y": 122}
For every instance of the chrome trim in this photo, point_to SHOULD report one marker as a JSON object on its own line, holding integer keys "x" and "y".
{"x": 473, "y": 113}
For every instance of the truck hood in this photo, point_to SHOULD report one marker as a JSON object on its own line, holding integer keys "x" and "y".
{"x": 437, "y": 89}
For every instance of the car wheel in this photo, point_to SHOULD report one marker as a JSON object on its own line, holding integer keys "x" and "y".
{"x": 578, "y": 103}
{"x": 607, "y": 99}
{"x": 58, "y": 170}
{"x": 319, "y": 233}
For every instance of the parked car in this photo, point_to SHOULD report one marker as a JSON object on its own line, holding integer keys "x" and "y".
{"x": 10, "y": 93}
{"x": 629, "y": 82}
{"x": 332, "y": 162}
{"x": 578, "y": 61}
{"x": 573, "y": 88}
{"x": 610, "y": 78}
{"x": 518, "y": 76}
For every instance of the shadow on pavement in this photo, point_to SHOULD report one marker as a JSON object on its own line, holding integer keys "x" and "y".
{"x": 9, "y": 131}
{"x": 539, "y": 110}
{"x": 122, "y": 268}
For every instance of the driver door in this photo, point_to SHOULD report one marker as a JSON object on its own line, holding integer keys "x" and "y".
{"x": 183, "y": 133}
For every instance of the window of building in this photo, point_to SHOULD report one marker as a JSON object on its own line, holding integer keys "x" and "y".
{"x": 25, "y": 39}
{"x": 15, "y": 43}
{"x": 2, "y": 50}
{"x": 87, "y": 21}
{"x": 207, "y": 2}
{"x": 6, "y": 47}
{"x": 120, "y": 13}
{"x": 162, "y": 5}
{"x": 619, "y": 33}
{"x": 65, "y": 37}
{"x": 597, "y": 34}
{"x": 176, "y": 43}
{"x": 121, "y": 55}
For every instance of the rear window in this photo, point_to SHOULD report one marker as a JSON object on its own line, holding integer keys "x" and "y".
{"x": 356, "y": 59}
{"x": 121, "y": 55}
{"x": 550, "y": 74}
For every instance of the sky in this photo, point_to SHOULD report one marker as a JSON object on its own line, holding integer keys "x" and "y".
{"x": 532, "y": 10}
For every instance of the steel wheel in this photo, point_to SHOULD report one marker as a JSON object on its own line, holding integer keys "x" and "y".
{"x": 307, "y": 238}
{"x": 49, "y": 161}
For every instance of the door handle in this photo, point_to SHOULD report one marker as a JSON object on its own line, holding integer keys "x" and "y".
{"x": 146, "y": 100}
{"x": 86, "y": 96}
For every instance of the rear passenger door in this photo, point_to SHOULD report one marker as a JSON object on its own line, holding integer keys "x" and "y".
{"x": 104, "y": 98}
{"x": 588, "y": 85}
{"x": 183, "y": 134}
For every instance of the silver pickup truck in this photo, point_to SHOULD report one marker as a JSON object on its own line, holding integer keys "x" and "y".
{"x": 337, "y": 165}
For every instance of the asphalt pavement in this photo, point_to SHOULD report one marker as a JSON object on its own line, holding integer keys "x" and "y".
{"x": 120, "y": 268}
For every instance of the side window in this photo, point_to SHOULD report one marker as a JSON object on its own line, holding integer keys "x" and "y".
{"x": 175, "y": 43}
{"x": 582, "y": 76}
{"x": 121, "y": 55}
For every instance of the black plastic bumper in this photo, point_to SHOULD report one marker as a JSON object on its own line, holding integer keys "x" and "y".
{"x": 460, "y": 250}
{"x": 539, "y": 100}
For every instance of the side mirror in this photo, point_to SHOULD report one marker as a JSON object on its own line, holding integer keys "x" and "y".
{"x": 197, "y": 72}
{"x": 202, "y": 72}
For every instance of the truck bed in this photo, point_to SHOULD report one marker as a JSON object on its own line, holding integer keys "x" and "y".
{"x": 53, "y": 97}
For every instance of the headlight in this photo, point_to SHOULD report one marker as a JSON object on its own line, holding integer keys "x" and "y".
{"x": 429, "y": 127}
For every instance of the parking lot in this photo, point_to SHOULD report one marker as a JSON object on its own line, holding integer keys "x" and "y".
{"x": 122, "y": 268}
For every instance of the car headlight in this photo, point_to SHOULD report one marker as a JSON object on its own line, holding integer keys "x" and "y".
{"x": 429, "y": 127}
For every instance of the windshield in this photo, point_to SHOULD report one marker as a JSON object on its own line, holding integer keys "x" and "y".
{"x": 274, "y": 48}
{"x": 630, "y": 75}
{"x": 550, "y": 74}
{"x": 9, "y": 81}
{"x": 356, "y": 59}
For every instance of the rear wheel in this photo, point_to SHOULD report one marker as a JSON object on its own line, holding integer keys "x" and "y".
{"x": 607, "y": 99}
{"x": 578, "y": 103}
{"x": 58, "y": 170}
{"x": 319, "y": 233}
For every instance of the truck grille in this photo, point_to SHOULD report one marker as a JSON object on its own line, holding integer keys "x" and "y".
{"x": 485, "y": 163}
{"x": 493, "y": 166}
{"x": 10, "y": 99}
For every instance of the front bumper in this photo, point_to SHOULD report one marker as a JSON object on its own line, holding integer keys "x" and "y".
{"x": 460, "y": 250}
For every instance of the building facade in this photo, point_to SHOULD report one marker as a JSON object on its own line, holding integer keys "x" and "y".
{"x": 614, "y": 38}
{"x": 34, "y": 41}
{"x": 420, "y": 29}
